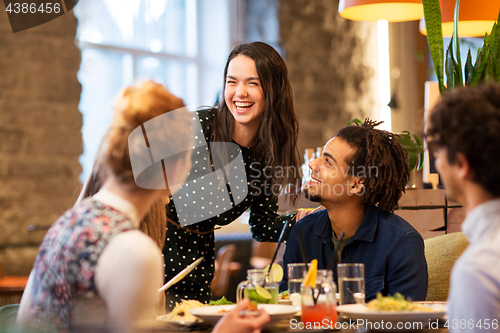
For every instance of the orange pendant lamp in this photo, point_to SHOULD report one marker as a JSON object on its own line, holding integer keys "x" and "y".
{"x": 374, "y": 10}
{"x": 476, "y": 17}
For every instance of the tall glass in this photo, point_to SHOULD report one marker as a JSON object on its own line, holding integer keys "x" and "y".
{"x": 255, "y": 290}
{"x": 296, "y": 273}
{"x": 351, "y": 283}
{"x": 319, "y": 303}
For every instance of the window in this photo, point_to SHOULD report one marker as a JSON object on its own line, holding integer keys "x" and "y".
{"x": 180, "y": 43}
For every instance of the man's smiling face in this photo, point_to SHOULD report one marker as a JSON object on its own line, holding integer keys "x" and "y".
{"x": 331, "y": 178}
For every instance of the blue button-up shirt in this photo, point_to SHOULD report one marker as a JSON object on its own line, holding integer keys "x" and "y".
{"x": 389, "y": 247}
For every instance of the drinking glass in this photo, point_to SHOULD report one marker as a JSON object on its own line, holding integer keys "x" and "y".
{"x": 255, "y": 289}
{"x": 351, "y": 283}
{"x": 296, "y": 273}
{"x": 319, "y": 303}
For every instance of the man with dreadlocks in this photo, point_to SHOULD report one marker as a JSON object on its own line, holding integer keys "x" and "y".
{"x": 359, "y": 179}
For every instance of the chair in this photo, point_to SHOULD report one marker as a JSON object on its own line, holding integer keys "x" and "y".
{"x": 262, "y": 252}
{"x": 8, "y": 315}
{"x": 441, "y": 253}
{"x": 11, "y": 287}
{"x": 220, "y": 282}
{"x": 2, "y": 270}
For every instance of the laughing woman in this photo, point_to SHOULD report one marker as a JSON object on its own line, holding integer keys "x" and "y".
{"x": 258, "y": 115}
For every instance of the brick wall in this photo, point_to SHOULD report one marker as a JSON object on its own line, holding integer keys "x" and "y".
{"x": 332, "y": 64}
{"x": 430, "y": 212}
{"x": 40, "y": 138}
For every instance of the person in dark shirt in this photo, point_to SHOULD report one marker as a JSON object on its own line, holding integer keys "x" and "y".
{"x": 360, "y": 178}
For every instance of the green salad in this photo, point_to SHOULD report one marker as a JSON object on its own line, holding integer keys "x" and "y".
{"x": 222, "y": 301}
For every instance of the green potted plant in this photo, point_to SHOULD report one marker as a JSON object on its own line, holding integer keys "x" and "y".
{"x": 487, "y": 66}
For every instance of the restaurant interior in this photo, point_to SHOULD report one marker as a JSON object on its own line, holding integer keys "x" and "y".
{"x": 58, "y": 81}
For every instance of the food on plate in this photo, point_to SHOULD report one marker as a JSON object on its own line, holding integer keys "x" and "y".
{"x": 284, "y": 295}
{"x": 181, "y": 311}
{"x": 222, "y": 301}
{"x": 395, "y": 303}
{"x": 250, "y": 307}
{"x": 276, "y": 273}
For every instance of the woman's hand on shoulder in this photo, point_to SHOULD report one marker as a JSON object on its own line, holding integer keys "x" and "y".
{"x": 234, "y": 322}
{"x": 304, "y": 212}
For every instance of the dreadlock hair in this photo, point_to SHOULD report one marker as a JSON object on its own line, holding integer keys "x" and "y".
{"x": 378, "y": 151}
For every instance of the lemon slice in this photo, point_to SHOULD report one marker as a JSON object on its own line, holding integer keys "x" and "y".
{"x": 276, "y": 273}
{"x": 263, "y": 292}
{"x": 310, "y": 279}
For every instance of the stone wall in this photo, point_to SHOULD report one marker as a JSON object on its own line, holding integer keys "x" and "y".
{"x": 40, "y": 139}
{"x": 332, "y": 64}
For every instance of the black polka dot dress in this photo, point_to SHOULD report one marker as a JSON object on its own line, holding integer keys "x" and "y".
{"x": 183, "y": 245}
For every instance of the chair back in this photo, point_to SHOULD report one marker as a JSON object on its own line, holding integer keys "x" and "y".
{"x": 8, "y": 316}
{"x": 220, "y": 282}
{"x": 2, "y": 270}
{"x": 441, "y": 253}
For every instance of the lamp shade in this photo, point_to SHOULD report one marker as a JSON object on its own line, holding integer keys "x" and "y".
{"x": 374, "y": 10}
{"x": 476, "y": 17}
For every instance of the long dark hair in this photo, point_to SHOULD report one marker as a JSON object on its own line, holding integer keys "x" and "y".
{"x": 277, "y": 135}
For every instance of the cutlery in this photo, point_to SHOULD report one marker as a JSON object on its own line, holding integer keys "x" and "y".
{"x": 181, "y": 275}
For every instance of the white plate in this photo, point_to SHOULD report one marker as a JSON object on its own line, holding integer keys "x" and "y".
{"x": 180, "y": 325}
{"x": 390, "y": 321}
{"x": 277, "y": 312}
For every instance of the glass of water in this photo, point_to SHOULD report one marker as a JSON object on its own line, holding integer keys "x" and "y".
{"x": 351, "y": 279}
{"x": 296, "y": 273}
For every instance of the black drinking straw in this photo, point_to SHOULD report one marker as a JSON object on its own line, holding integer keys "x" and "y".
{"x": 302, "y": 248}
{"x": 304, "y": 257}
{"x": 276, "y": 251}
{"x": 335, "y": 250}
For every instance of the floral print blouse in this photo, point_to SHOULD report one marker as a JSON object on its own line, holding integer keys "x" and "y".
{"x": 65, "y": 266}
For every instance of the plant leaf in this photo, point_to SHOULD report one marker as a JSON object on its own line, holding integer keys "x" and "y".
{"x": 490, "y": 67}
{"x": 412, "y": 157}
{"x": 457, "y": 41}
{"x": 420, "y": 153}
{"x": 451, "y": 66}
{"x": 495, "y": 33}
{"x": 414, "y": 148}
{"x": 479, "y": 58}
{"x": 432, "y": 16}
{"x": 469, "y": 69}
{"x": 354, "y": 121}
{"x": 480, "y": 66}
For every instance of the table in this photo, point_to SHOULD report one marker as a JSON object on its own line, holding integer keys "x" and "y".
{"x": 11, "y": 289}
{"x": 12, "y": 285}
{"x": 285, "y": 326}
